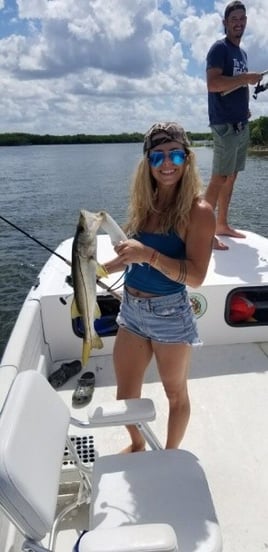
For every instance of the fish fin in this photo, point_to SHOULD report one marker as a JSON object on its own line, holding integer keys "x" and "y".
{"x": 74, "y": 310}
{"x": 97, "y": 311}
{"x": 101, "y": 271}
{"x": 97, "y": 342}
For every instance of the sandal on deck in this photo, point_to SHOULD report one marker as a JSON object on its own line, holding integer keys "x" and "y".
{"x": 84, "y": 389}
{"x": 64, "y": 373}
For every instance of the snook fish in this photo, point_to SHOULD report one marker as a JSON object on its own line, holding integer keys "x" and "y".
{"x": 84, "y": 270}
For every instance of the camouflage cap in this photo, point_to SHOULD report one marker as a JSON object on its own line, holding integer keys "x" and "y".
{"x": 168, "y": 132}
{"x": 236, "y": 5}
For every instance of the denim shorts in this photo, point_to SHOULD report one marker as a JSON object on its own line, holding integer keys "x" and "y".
{"x": 166, "y": 319}
{"x": 230, "y": 149}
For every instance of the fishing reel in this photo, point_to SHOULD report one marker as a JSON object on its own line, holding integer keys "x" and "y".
{"x": 261, "y": 86}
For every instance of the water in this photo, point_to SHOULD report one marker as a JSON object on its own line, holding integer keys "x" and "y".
{"x": 43, "y": 189}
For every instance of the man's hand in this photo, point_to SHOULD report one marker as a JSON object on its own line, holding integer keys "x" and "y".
{"x": 253, "y": 78}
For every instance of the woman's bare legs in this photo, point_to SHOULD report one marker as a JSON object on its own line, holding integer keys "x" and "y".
{"x": 173, "y": 362}
{"x": 131, "y": 355}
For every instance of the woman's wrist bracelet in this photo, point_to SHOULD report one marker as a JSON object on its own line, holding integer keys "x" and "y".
{"x": 154, "y": 258}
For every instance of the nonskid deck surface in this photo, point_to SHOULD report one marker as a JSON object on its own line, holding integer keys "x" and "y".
{"x": 228, "y": 387}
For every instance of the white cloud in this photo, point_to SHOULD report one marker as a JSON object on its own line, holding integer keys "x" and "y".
{"x": 113, "y": 66}
{"x": 200, "y": 33}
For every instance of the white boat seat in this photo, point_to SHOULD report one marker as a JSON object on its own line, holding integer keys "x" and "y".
{"x": 123, "y": 412}
{"x": 167, "y": 486}
{"x": 130, "y": 411}
{"x": 139, "y": 502}
{"x": 33, "y": 428}
{"x": 158, "y": 537}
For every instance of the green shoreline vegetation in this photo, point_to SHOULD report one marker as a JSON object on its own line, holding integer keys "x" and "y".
{"x": 258, "y": 137}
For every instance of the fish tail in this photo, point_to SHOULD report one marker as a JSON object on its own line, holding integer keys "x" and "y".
{"x": 110, "y": 226}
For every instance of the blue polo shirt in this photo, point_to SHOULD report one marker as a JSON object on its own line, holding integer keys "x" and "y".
{"x": 232, "y": 108}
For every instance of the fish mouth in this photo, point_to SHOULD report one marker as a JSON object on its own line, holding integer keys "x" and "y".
{"x": 89, "y": 221}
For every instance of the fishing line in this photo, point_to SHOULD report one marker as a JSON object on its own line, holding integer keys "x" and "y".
{"x": 101, "y": 284}
{"x": 109, "y": 289}
{"x": 35, "y": 240}
{"x": 114, "y": 286}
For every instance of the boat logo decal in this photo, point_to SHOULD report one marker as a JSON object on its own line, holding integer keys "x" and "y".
{"x": 199, "y": 304}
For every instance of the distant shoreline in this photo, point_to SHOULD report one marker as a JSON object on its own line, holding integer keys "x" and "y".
{"x": 258, "y": 138}
{"x": 258, "y": 149}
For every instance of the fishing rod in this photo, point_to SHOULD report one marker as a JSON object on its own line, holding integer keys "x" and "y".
{"x": 35, "y": 240}
{"x": 261, "y": 86}
{"x": 258, "y": 88}
{"x": 101, "y": 284}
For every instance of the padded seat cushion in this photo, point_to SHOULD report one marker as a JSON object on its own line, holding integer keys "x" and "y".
{"x": 166, "y": 486}
{"x": 139, "y": 538}
{"x": 33, "y": 428}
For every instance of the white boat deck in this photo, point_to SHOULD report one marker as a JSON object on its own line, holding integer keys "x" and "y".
{"x": 227, "y": 431}
{"x": 228, "y": 388}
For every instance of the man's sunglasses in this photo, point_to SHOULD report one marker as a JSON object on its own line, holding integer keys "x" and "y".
{"x": 157, "y": 158}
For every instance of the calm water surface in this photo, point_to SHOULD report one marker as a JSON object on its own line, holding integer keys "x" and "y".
{"x": 43, "y": 189}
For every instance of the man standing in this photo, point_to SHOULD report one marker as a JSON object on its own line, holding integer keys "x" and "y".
{"x": 228, "y": 108}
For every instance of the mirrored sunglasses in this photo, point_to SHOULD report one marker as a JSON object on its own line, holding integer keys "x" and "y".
{"x": 157, "y": 158}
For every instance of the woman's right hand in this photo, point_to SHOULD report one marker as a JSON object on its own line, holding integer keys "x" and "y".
{"x": 133, "y": 251}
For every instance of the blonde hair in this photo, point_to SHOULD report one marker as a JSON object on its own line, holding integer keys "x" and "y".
{"x": 143, "y": 193}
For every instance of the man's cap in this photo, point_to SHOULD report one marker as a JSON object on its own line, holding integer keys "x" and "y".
{"x": 236, "y": 5}
{"x": 169, "y": 132}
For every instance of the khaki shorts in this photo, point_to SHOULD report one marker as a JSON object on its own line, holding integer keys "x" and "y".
{"x": 230, "y": 149}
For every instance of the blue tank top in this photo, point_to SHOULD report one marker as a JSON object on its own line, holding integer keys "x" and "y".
{"x": 146, "y": 278}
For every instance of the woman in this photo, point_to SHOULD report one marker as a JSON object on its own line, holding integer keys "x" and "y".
{"x": 171, "y": 230}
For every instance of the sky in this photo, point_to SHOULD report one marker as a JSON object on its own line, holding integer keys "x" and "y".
{"x": 113, "y": 66}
